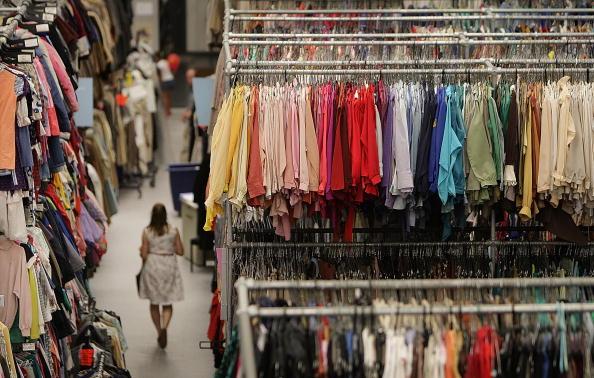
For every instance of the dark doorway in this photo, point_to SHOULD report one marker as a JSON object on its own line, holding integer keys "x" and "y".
{"x": 172, "y": 26}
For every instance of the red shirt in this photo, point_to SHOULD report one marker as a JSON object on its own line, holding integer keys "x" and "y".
{"x": 255, "y": 180}
{"x": 370, "y": 164}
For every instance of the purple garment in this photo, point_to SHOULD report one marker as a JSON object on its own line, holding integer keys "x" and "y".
{"x": 383, "y": 98}
{"x": 436, "y": 140}
{"x": 388, "y": 132}
{"x": 91, "y": 231}
{"x": 409, "y": 114}
{"x": 330, "y": 140}
{"x": 94, "y": 209}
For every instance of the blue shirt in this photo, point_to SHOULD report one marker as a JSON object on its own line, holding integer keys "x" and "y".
{"x": 450, "y": 158}
{"x": 437, "y": 139}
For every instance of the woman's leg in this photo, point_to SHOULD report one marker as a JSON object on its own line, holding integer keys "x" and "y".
{"x": 167, "y": 313}
{"x": 156, "y": 316}
{"x": 167, "y": 100}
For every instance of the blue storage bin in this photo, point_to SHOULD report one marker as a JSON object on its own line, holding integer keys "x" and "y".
{"x": 181, "y": 180}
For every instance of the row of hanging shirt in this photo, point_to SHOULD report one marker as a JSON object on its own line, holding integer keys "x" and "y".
{"x": 403, "y": 346}
{"x": 330, "y": 147}
{"x": 366, "y": 52}
{"x": 327, "y": 148}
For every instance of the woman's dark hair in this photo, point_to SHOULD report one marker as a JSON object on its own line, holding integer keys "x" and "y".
{"x": 158, "y": 223}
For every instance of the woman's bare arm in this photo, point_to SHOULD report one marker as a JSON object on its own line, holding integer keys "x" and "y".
{"x": 179, "y": 247}
{"x": 144, "y": 247}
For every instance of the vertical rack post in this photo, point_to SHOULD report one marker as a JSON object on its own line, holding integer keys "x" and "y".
{"x": 248, "y": 359}
{"x": 227, "y": 237}
{"x": 492, "y": 249}
{"x": 226, "y": 48}
{"x": 227, "y": 270}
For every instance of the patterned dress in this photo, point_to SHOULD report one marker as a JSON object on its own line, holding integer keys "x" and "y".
{"x": 160, "y": 280}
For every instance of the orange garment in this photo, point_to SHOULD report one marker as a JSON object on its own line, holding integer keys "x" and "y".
{"x": 7, "y": 120}
{"x": 453, "y": 343}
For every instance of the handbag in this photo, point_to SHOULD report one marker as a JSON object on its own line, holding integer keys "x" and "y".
{"x": 138, "y": 279}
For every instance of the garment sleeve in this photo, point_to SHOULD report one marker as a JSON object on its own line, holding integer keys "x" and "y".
{"x": 22, "y": 115}
{"x": 23, "y": 291}
{"x": 63, "y": 78}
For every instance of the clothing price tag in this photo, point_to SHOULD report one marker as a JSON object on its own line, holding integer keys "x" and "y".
{"x": 48, "y": 17}
{"x": 1, "y": 300}
{"x": 42, "y": 28}
{"x": 31, "y": 42}
{"x": 51, "y": 10}
{"x": 28, "y": 347}
{"x": 25, "y": 58}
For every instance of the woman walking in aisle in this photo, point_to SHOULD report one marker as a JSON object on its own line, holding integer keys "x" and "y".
{"x": 160, "y": 278}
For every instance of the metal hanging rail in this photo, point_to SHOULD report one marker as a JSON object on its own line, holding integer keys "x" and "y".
{"x": 461, "y": 42}
{"x": 424, "y": 284}
{"x": 410, "y": 35}
{"x": 412, "y": 11}
{"x": 254, "y": 311}
{"x": 388, "y": 71}
{"x": 429, "y": 62}
{"x": 492, "y": 17}
{"x": 238, "y": 245}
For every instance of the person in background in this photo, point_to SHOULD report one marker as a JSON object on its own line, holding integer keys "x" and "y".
{"x": 167, "y": 83}
{"x": 160, "y": 278}
{"x": 189, "y": 111}
{"x": 187, "y": 152}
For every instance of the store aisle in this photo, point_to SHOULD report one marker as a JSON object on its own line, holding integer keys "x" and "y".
{"x": 115, "y": 288}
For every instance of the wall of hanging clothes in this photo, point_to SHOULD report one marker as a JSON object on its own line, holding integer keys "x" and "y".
{"x": 58, "y": 187}
{"x": 121, "y": 149}
{"x": 363, "y": 141}
{"x": 415, "y": 147}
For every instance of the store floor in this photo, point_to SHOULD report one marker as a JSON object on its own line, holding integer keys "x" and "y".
{"x": 114, "y": 284}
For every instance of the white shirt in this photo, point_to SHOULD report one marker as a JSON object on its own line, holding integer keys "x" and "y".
{"x": 166, "y": 74}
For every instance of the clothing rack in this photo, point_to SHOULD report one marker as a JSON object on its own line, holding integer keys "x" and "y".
{"x": 246, "y": 311}
{"x": 464, "y": 39}
{"x": 237, "y": 67}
